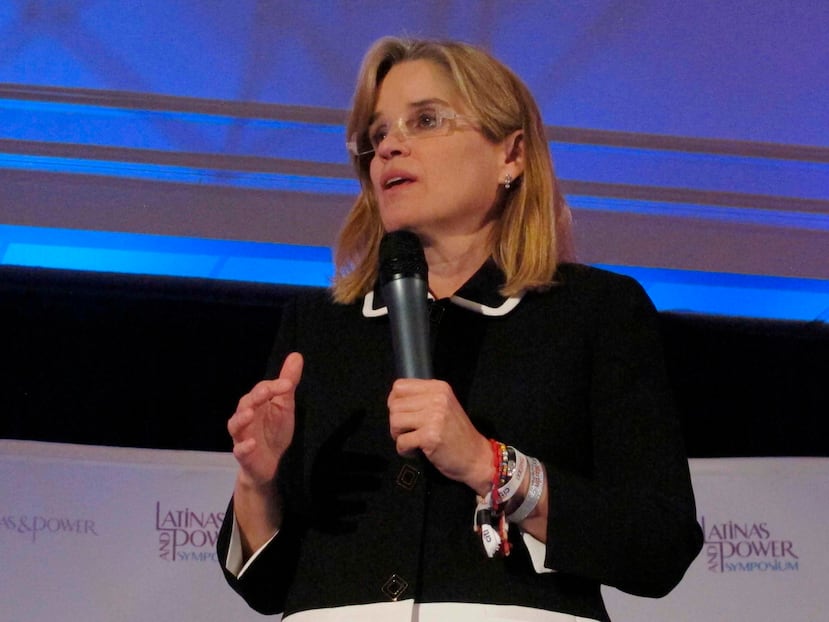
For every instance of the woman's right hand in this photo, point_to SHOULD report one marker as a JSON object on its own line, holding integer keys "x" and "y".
{"x": 262, "y": 427}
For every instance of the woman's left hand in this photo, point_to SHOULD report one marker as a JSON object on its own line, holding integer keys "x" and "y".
{"x": 426, "y": 415}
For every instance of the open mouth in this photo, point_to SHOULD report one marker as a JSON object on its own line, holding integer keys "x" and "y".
{"x": 396, "y": 181}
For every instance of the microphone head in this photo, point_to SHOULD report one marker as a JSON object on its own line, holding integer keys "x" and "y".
{"x": 401, "y": 255}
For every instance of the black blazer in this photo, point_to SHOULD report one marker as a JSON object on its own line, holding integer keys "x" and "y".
{"x": 573, "y": 376}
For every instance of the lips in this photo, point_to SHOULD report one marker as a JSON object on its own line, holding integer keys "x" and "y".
{"x": 395, "y": 181}
{"x": 395, "y": 178}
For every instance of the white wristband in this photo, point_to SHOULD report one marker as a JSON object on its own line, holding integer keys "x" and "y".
{"x": 506, "y": 492}
{"x": 533, "y": 494}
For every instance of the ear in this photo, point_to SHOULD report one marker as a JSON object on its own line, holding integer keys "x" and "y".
{"x": 513, "y": 155}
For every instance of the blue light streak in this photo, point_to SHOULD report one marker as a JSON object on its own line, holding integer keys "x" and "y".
{"x": 132, "y": 253}
{"x": 671, "y": 290}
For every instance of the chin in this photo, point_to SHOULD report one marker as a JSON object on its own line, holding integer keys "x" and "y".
{"x": 396, "y": 224}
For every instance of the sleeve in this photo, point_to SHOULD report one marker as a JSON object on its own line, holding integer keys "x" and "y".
{"x": 234, "y": 563}
{"x": 631, "y": 523}
{"x": 263, "y": 582}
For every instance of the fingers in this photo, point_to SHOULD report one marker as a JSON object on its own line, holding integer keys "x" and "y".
{"x": 408, "y": 442}
{"x": 263, "y": 392}
{"x": 415, "y": 403}
{"x": 266, "y": 390}
{"x": 239, "y": 420}
{"x": 425, "y": 415}
{"x": 245, "y": 414}
{"x": 244, "y": 448}
{"x": 411, "y": 394}
{"x": 292, "y": 368}
{"x": 407, "y": 387}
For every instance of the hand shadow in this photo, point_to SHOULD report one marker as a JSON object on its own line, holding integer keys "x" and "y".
{"x": 342, "y": 479}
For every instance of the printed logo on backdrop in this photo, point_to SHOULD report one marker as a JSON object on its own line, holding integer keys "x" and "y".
{"x": 186, "y": 534}
{"x": 36, "y": 527}
{"x": 733, "y": 546}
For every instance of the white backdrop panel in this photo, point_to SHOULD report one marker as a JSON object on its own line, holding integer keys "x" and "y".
{"x": 766, "y": 551}
{"x": 97, "y": 534}
{"x": 93, "y": 534}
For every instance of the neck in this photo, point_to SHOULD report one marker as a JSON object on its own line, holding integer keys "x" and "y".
{"x": 452, "y": 262}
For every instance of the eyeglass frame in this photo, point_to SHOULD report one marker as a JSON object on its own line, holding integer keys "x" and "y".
{"x": 405, "y": 127}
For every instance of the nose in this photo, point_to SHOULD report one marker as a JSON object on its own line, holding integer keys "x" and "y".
{"x": 396, "y": 142}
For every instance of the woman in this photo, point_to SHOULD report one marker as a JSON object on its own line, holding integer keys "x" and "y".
{"x": 544, "y": 461}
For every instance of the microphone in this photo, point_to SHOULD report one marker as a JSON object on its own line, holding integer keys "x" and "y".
{"x": 404, "y": 280}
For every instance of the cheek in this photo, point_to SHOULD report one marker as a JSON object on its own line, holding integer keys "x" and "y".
{"x": 480, "y": 159}
{"x": 374, "y": 173}
{"x": 476, "y": 175}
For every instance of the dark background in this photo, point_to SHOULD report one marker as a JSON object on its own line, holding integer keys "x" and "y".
{"x": 125, "y": 360}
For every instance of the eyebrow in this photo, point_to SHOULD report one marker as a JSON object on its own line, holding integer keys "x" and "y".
{"x": 431, "y": 101}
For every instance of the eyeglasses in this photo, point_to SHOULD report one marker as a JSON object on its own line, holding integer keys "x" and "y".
{"x": 423, "y": 123}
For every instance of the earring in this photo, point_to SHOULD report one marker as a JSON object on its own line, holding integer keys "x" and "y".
{"x": 507, "y": 181}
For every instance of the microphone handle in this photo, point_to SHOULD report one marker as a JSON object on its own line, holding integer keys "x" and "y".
{"x": 406, "y": 300}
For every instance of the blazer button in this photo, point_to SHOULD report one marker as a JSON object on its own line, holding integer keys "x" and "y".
{"x": 395, "y": 587}
{"x": 407, "y": 477}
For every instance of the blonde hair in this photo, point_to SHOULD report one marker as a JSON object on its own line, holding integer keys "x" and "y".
{"x": 533, "y": 232}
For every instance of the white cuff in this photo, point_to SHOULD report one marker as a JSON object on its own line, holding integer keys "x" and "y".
{"x": 235, "y": 563}
{"x": 538, "y": 551}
